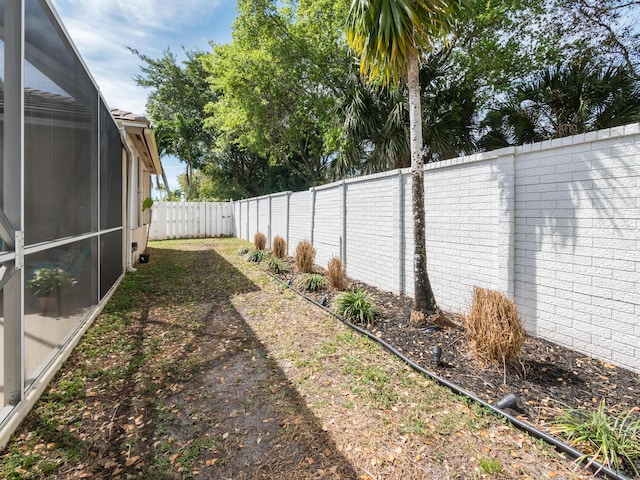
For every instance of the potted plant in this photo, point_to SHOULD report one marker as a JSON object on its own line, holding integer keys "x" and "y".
{"x": 47, "y": 283}
{"x": 146, "y": 205}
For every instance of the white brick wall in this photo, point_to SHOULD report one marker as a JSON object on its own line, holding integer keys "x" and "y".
{"x": 264, "y": 217}
{"x": 253, "y": 225}
{"x": 554, "y": 225}
{"x": 370, "y": 231}
{"x": 299, "y": 219}
{"x": 327, "y": 224}
{"x": 279, "y": 209}
{"x": 462, "y": 217}
{"x": 577, "y": 250}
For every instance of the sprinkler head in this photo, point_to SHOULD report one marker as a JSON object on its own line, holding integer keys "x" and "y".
{"x": 437, "y": 353}
{"x": 323, "y": 301}
{"x": 508, "y": 401}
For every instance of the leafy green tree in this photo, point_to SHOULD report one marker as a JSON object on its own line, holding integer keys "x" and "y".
{"x": 277, "y": 83}
{"x": 390, "y": 36}
{"x": 179, "y": 93}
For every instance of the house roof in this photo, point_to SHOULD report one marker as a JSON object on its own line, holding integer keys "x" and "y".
{"x": 128, "y": 116}
{"x": 140, "y": 136}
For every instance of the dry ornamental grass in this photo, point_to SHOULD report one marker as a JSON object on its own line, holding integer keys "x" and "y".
{"x": 335, "y": 272}
{"x": 493, "y": 327}
{"x": 260, "y": 241}
{"x": 305, "y": 256}
{"x": 279, "y": 247}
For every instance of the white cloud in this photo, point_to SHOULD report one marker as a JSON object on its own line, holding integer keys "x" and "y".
{"x": 103, "y": 29}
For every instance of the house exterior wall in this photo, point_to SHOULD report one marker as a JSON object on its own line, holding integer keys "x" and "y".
{"x": 554, "y": 225}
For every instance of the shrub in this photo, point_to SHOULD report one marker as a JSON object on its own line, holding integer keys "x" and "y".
{"x": 336, "y": 275}
{"x": 279, "y": 247}
{"x": 305, "y": 256}
{"x": 257, "y": 256}
{"x": 609, "y": 440}
{"x": 276, "y": 265}
{"x": 260, "y": 241}
{"x": 49, "y": 281}
{"x": 493, "y": 327}
{"x": 357, "y": 307}
{"x": 311, "y": 282}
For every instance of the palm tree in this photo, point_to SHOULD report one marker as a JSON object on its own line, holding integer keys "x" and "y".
{"x": 389, "y": 36}
{"x": 566, "y": 100}
{"x": 376, "y": 121}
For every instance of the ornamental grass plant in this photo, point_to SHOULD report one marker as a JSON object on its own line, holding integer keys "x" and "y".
{"x": 256, "y": 256}
{"x": 276, "y": 265}
{"x": 493, "y": 326}
{"x": 611, "y": 440}
{"x": 305, "y": 256}
{"x": 335, "y": 274}
{"x": 279, "y": 248}
{"x": 356, "y": 306}
{"x": 311, "y": 282}
{"x": 260, "y": 241}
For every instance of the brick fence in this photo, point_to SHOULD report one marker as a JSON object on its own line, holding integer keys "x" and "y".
{"x": 554, "y": 225}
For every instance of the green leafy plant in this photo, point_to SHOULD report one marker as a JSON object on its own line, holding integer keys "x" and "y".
{"x": 260, "y": 241}
{"x": 311, "y": 282}
{"x": 147, "y": 203}
{"x": 357, "y": 307}
{"x": 279, "y": 247}
{"x": 276, "y": 265}
{"x": 257, "y": 256}
{"x": 490, "y": 466}
{"x": 305, "y": 256}
{"x": 610, "y": 440}
{"x": 47, "y": 282}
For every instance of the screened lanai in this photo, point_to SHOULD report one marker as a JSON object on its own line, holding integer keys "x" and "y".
{"x": 61, "y": 200}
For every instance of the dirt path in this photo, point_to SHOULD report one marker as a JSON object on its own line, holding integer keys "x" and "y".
{"x": 203, "y": 367}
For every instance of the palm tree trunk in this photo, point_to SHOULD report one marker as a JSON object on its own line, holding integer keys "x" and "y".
{"x": 166, "y": 183}
{"x": 425, "y": 309}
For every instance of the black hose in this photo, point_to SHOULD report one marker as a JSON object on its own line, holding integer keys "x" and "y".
{"x": 594, "y": 465}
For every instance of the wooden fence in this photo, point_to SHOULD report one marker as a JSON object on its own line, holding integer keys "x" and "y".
{"x": 190, "y": 220}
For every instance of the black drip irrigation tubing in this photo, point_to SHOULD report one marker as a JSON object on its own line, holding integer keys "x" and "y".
{"x": 596, "y": 467}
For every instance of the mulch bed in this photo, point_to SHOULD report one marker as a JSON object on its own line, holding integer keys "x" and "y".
{"x": 547, "y": 377}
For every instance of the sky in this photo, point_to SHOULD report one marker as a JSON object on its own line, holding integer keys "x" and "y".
{"x": 103, "y": 29}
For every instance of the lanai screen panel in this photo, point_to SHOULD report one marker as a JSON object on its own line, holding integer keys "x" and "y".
{"x": 51, "y": 320}
{"x": 61, "y": 136}
{"x": 2, "y": 77}
{"x": 110, "y": 260}
{"x": 110, "y": 171}
{"x": 57, "y": 131}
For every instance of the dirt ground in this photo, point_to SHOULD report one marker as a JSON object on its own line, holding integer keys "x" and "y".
{"x": 204, "y": 367}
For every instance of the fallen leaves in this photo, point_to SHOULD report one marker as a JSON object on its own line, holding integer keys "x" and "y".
{"x": 179, "y": 376}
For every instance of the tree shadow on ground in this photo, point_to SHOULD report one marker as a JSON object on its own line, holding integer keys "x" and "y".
{"x": 185, "y": 389}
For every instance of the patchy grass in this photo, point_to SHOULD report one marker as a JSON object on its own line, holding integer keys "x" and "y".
{"x": 201, "y": 366}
